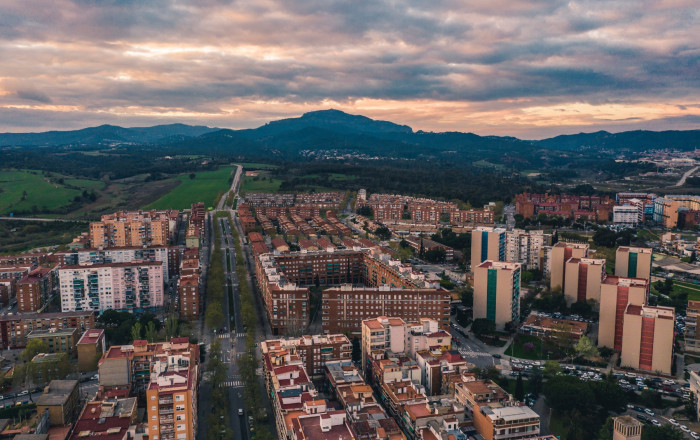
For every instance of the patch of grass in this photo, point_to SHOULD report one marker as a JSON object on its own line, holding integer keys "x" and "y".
{"x": 85, "y": 183}
{"x": 486, "y": 164}
{"x": 24, "y": 191}
{"x": 19, "y": 235}
{"x": 257, "y": 166}
{"x": 205, "y": 187}
{"x": 516, "y": 349}
{"x": 559, "y": 426}
{"x": 262, "y": 184}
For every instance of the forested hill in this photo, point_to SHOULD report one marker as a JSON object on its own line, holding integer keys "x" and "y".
{"x": 335, "y": 134}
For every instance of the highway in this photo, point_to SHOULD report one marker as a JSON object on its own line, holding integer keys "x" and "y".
{"x": 685, "y": 176}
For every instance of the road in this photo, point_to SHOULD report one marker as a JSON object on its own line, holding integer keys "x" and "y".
{"x": 234, "y": 188}
{"x": 232, "y": 335}
{"x": 32, "y": 219}
{"x": 685, "y": 176}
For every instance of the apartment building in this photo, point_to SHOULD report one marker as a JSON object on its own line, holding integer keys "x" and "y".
{"x": 58, "y": 340}
{"x": 393, "y": 334}
{"x": 495, "y": 421}
{"x": 134, "y": 228}
{"x": 564, "y": 205}
{"x": 692, "y": 331}
{"x": 314, "y": 351}
{"x": 390, "y": 289}
{"x": 497, "y": 292}
{"x": 475, "y": 393}
{"x": 90, "y": 348}
{"x": 694, "y": 381}
{"x": 615, "y": 294}
{"x": 633, "y": 262}
{"x": 15, "y": 328}
{"x": 189, "y": 293}
{"x": 118, "y": 286}
{"x": 666, "y": 209}
{"x": 583, "y": 280}
{"x": 525, "y": 247}
{"x": 129, "y": 367}
{"x": 627, "y": 428}
{"x": 629, "y": 215}
{"x": 345, "y": 307}
{"x": 562, "y": 252}
{"x": 34, "y": 290}
{"x": 488, "y": 244}
{"x": 171, "y": 395}
{"x": 647, "y": 339}
{"x": 88, "y": 256}
{"x": 112, "y": 419}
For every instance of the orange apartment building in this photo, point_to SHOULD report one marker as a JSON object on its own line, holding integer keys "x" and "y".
{"x": 171, "y": 395}
{"x": 133, "y": 228}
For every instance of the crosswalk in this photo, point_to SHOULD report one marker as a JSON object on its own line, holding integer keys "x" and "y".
{"x": 228, "y": 335}
{"x": 232, "y": 384}
{"x": 470, "y": 353}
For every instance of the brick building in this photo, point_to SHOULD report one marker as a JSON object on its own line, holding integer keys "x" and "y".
{"x": 15, "y": 328}
{"x": 34, "y": 290}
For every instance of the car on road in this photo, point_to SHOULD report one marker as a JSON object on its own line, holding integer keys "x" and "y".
{"x": 240, "y": 411}
{"x": 23, "y": 393}
{"x": 648, "y": 411}
{"x": 655, "y": 422}
{"x": 673, "y": 422}
{"x": 643, "y": 418}
{"x": 630, "y": 406}
{"x": 496, "y": 355}
{"x": 694, "y": 435}
{"x": 639, "y": 408}
{"x": 684, "y": 428}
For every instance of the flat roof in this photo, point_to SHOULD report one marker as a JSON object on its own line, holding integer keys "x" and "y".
{"x": 91, "y": 336}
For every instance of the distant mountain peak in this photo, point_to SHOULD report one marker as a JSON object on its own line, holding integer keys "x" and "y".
{"x": 334, "y": 120}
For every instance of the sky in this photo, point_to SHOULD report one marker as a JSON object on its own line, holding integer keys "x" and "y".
{"x": 525, "y": 68}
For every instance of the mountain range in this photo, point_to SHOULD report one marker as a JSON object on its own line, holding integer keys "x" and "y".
{"x": 334, "y": 130}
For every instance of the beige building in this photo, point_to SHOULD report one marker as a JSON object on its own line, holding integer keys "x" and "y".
{"x": 633, "y": 262}
{"x": 497, "y": 292}
{"x": 488, "y": 244}
{"x": 647, "y": 338}
{"x": 692, "y": 331}
{"x": 694, "y": 381}
{"x": 560, "y": 254}
{"x": 58, "y": 340}
{"x": 61, "y": 399}
{"x": 584, "y": 276}
{"x": 615, "y": 294}
{"x": 627, "y": 428}
{"x": 495, "y": 421}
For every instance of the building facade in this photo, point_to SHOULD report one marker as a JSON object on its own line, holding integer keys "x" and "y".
{"x": 115, "y": 286}
{"x": 15, "y": 328}
{"x": 583, "y": 280}
{"x": 497, "y": 292}
{"x": 488, "y": 244}
{"x": 646, "y": 336}
{"x": 615, "y": 294}
{"x": 561, "y": 253}
{"x": 633, "y": 262}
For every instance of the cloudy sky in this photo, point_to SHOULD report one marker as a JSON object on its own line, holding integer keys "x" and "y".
{"x": 528, "y": 68}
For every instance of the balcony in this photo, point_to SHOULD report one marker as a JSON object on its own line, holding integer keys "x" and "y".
{"x": 164, "y": 420}
{"x": 165, "y": 401}
{"x": 164, "y": 411}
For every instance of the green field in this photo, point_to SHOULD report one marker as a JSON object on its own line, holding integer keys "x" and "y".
{"x": 42, "y": 193}
{"x": 257, "y": 166}
{"x": 85, "y": 183}
{"x": 262, "y": 184}
{"x": 517, "y": 350}
{"x": 205, "y": 187}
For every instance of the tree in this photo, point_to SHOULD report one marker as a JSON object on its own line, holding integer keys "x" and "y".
{"x": 136, "y": 331}
{"x": 34, "y": 347}
{"x": 466, "y": 295}
{"x": 365, "y": 211}
{"x": 535, "y": 382}
{"x": 214, "y": 316}
{"x": 383, "y": 233}
{"x": 567, "y": 393}
{"x": 551, "y": 368}
{"x": 665, "y": 432}
{"x": 519, "y": 388}
{"x": 151, "y": 332}
{"x": 435, "y": 256}
{"x": 606, "y": 431}
{"x": 691, "y": 409}
{"x": 172, "y": 325}
{"x": 609, "y": 395}
{"x": 483, "y": 326}
{"x": 585, "y": 348}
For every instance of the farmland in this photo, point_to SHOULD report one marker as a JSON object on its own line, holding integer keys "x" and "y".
{"x": 205, "y": 187}
{"x": 27, "y": 191}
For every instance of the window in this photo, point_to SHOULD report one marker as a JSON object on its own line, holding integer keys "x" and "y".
{"x": 179, "y": 397}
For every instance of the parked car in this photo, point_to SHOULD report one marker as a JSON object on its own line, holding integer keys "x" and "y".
{"x": 684, "y": 428}
{"x": 23, "y": 393}
{"x": 655, "y": 422}
{"x": 673, "y": 422}
{"x": 240, "y": 411}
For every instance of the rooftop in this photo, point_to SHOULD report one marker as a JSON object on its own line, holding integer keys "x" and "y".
{"x": 57, "y": 392}
{"x": 91, "y": 336}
